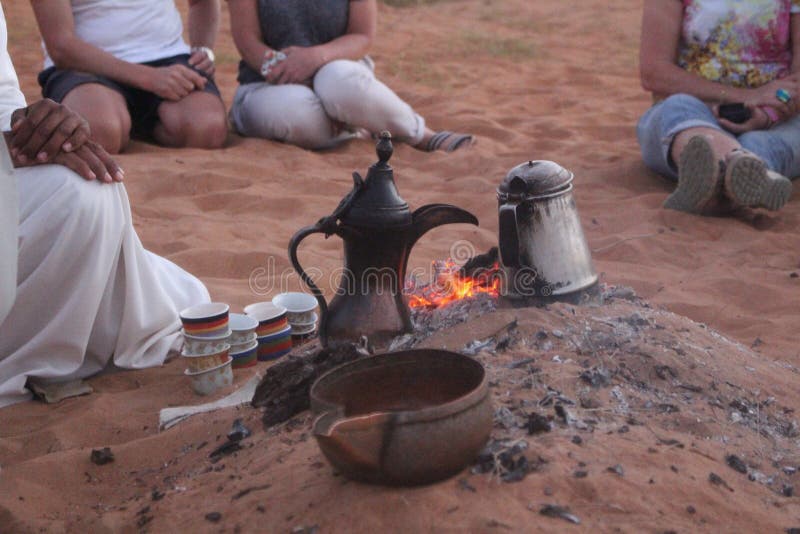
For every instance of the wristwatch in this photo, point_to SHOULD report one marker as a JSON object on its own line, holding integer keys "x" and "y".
{"x": 206, "y": 50}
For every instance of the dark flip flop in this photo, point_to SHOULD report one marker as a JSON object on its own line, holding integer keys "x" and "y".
{"x": 447, "y": 141}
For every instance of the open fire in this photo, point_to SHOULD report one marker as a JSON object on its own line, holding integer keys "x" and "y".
{"x": 450, "y": 284}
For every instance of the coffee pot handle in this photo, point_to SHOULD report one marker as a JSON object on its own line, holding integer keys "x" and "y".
{"x": 509, "y": 235}
{"x": 293, "y": 244}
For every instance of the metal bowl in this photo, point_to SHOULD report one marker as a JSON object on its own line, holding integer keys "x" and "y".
{"x": 403, "y": 418}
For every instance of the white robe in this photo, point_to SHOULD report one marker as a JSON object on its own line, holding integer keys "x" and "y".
{"x": 87, "y": 293}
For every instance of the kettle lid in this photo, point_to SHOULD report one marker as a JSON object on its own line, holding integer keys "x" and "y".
{"x": 375, "y": 201}
{"x": 535, "y": 178}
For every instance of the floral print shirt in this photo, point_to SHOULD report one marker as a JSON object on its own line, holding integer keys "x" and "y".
{"x": 744, "y": 43}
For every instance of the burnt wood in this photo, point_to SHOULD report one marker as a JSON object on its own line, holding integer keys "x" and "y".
{"x": 283, "y": 392}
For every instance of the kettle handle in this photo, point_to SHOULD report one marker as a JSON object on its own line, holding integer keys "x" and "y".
{"x": 293, "y": 244}
{"x": 509, "y": 235}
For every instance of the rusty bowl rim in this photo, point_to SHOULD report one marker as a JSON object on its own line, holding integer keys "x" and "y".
{"x": 434, "y": 412}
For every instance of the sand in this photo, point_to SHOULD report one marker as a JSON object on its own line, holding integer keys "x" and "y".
{"x": 532, "y": 80}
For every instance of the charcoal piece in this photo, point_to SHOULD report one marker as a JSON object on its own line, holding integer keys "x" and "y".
{"x": 741, "y": 406}
{"x": 691, "y": 509}
{"x": 596, "y": 377}
{"x": 559, "y": 512}
{"x": 519, "y": 470}
{"x": 156, "y": 495}
{"x": 537, "y": 424}
{"x": 102, "y": 456}
{"x": 507, "y": 460}
{"x": 788, "y": 490}
{"x": 238, "y": 431}
{"x": 665, "y": 372}
{"x": 668, "y": 408}
{"x": 229, "y": 447}
{"x": 481, "y": 264}
{"x": 718, "y": 481}
{"x": 213, "y": 517}
{"x": 561, "y": 412}
{"x": 736, "y": 463}
{"x": 793, "y": 530}
{"x": 577, "y": 440}
{"x": 284, "y": 390}
{"x": 616, "y": 469}
{"x": 580, "y": 474}
{"x": 520, "y": 363}
{"x": 589, "y": 403}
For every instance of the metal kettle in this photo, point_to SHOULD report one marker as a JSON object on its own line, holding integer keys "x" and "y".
{"x": 378, "y": 230}
{"x": 542, "y": 246}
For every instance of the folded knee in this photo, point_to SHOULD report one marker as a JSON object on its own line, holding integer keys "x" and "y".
{"x": 341, "y": 79}
{"x": 112, "y": 134}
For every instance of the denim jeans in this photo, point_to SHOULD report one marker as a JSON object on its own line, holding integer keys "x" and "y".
{"x": 779, "y": 146}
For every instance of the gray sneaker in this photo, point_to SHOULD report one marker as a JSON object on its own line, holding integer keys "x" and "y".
{"x": 748, "y": 182}
{"x": 699, "y": 177}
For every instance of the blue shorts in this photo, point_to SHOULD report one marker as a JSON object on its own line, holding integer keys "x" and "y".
{"x": 142, "y": 105}
{"x": 778, "y": 146}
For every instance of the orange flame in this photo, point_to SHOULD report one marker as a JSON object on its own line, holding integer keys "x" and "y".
{"x": 450, "y": 286}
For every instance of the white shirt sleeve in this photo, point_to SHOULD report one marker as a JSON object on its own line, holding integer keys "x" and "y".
{"x": 11, "y": 97}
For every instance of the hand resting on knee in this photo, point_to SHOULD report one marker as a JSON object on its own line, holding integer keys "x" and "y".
{"x": 47, "y": 132}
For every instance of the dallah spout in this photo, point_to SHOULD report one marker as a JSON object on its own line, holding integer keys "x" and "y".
{"x": 432, "y": 215}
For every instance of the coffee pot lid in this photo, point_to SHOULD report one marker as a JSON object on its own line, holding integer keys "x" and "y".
{"x": 375, "y": 201}
{"x": 535, "y": 178}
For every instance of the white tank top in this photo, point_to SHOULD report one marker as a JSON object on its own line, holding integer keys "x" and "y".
{"x": 131, "y": 30}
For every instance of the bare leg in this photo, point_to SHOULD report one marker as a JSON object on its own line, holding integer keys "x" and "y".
{"x": 106, "y": 111}
{"x": 197, "y": 121}
{"x": 721, "y": 144}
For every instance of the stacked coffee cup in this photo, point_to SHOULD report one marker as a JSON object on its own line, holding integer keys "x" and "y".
{"x": 274, "y": 335}
{"x": 243, "y": 341}
{"x": 300, "y": 313}
{"x": 206, "y": 347}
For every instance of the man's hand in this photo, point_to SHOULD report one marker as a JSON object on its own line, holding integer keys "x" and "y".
{"x": 92, "y": 162}
{"x": 201, "y": 61}
{"x": 42, "y": 130}
{"x": 174, "y": 82}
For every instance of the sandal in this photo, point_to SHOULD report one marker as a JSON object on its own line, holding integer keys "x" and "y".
{"x": 447, "y": 141}
{"x": 748, "y": 182}
{"x": 699, "y": 177}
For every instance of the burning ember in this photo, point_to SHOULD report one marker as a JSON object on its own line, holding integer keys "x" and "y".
{"x": 451, "y": 284}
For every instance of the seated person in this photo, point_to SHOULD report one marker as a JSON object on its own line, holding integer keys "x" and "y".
{"x": 305, "y": 77}
{"x": 78, "y": 292}
{"x": 125, "y": 67}
{"x": 697, "y": 55}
